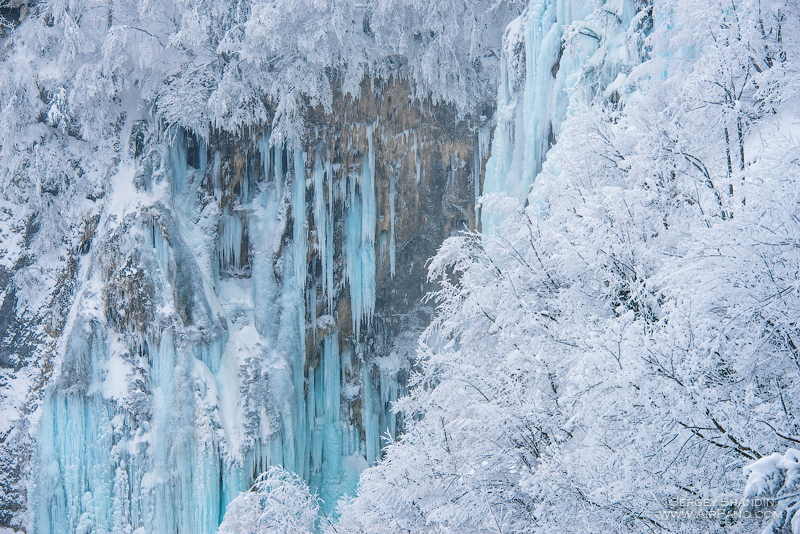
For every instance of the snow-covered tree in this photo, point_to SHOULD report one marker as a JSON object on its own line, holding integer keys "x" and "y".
{"x": 772, "y": 491}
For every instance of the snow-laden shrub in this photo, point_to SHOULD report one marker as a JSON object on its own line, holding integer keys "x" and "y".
{"x": 278, "y": 503}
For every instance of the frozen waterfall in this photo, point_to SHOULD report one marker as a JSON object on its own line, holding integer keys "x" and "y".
{"x": 155, "y": 425}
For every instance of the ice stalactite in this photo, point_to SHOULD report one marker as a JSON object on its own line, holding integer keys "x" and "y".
{"x": 216, "y": 175}
{"x": 383, "y": 245}
{"x": 479, "y": 151}
{"x": 367, "y": 182}
{"x": 328, "y": 250}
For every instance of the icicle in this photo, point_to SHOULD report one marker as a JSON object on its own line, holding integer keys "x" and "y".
{"x": 265, "y": 152}
{"x": 389, "y": 396}
{"x": 352, "y": 248}
{"x": 328, "y": 272}
{"x": 246, "y": 174}
{"x": 177, "y": 153}
{"x": 360, "y": 258}
{"x": 312, "y": 307}
{"x": 484, "y": 139}
{"x": 313, "y": 400}
{"x": 329, "y": 261}
{"x": 279, "y": 176}
{"x": 481, "y": 148}
{"x": 203, "y": 155}
{"x": 347, "y": 359}
{"x": 383, "y": 244}
{"x": 367, "y": 182}
{"x": 300, "y": 229}
{"x": 392, "y": 195}
{"x": 230, "y": 242}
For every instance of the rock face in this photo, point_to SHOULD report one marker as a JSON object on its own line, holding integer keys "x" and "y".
{"x": 242, "y": 305}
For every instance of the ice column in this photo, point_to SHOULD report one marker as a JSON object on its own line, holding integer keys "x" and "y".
{"x": 417, "y": 161}
{"x": 392, "y": 196}
{"x": 370, "y": 416}
{"x": 300, "y": 452}
{"x": 360, "y": 239}
{"x": 323, "y": 221}
{"x": 531, "y": 111}
{"x": 328, "y": 414}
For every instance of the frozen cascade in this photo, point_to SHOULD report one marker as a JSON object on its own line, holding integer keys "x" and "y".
{"x": 89, "y": 468}
{"x": 233, "y": 314}
{"x": 534, "y": 99}
{"x": 530, "y": 110}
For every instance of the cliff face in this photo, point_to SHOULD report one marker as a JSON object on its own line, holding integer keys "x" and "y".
{"x": 240, "y": 305}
